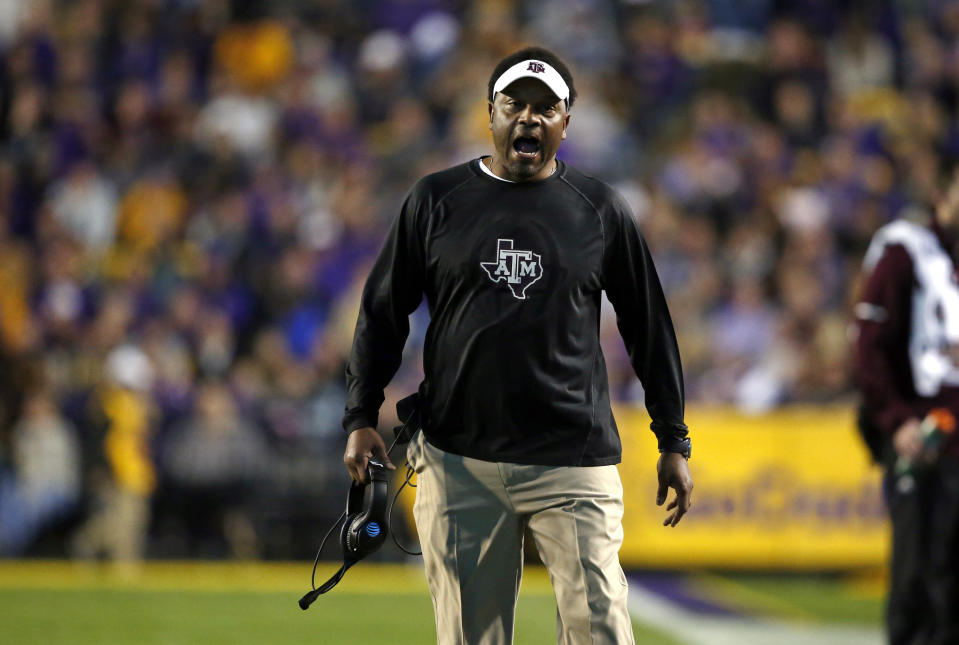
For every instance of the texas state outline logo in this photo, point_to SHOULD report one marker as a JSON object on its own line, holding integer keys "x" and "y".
{"x": 517, "y": 268}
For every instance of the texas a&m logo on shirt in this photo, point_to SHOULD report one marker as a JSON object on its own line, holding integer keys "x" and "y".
{"x": 518, "y": 269}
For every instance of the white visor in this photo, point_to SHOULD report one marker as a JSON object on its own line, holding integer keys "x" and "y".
{"x": 537, "y": 69}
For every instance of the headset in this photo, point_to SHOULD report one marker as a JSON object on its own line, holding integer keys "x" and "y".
{"x": 367, "y": 516}
{"x": 364, "y": 530}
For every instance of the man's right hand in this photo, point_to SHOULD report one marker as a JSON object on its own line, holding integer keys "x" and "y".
{"x": 364, "y": 444}
{"x": 907, "y": 440}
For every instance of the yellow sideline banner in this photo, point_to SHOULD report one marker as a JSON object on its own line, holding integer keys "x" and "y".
{"x": 793, "y": 489}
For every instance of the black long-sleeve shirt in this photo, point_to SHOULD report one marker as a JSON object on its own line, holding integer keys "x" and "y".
{"x": 513, "y": 274}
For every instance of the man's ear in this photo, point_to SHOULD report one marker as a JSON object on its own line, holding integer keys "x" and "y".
{"x": 565, "y": 125}
{"x": 489, "y": 106}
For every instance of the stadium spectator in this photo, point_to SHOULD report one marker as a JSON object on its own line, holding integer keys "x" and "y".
{"x": 212, "y": 460}
{"x": 44, "y": 485}
{"x": 218, "y": 171}
{"x": 117, "y": 527}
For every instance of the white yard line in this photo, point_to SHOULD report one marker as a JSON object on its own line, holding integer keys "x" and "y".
{"x": 696, "y": 629}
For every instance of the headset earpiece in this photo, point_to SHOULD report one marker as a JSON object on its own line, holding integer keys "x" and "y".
{"x": 365, "y": 528}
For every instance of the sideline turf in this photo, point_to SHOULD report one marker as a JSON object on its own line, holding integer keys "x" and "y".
{"x": 213, "y": 604}
{"x": 107, "y": 617}
{"x": 806, "y": 598}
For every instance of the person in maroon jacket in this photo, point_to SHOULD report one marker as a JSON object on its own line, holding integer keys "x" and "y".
{"x": 908, "y": 373}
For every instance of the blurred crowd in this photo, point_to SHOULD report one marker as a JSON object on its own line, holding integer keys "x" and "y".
{"x": 191, "y": 193}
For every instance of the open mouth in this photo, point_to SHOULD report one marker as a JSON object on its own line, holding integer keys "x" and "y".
{"x": 526, "y": 147}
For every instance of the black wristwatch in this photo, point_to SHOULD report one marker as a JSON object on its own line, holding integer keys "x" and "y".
{"x": 682, "y": 446}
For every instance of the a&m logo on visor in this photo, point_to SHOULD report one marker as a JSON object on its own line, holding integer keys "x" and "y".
{"x": 538, "y": 68}
{"x": 518, "y": 269}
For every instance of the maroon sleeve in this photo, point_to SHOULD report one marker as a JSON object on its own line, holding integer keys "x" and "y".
{"x": 883, "y": 315}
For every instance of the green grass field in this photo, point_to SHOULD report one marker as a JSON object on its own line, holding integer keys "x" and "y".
{"x": 816, "y": 599}
{"x": 239, "y": 604}
{"x": 235, "y": 604}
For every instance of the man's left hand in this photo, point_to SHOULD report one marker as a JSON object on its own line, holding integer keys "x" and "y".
{"x": 673, "y": 473}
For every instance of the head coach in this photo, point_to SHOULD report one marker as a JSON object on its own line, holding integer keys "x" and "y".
{"x": 512, "y": 252}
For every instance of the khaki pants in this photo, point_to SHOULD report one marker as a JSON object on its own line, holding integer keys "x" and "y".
{"x": 471, "y": 516}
